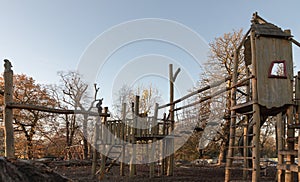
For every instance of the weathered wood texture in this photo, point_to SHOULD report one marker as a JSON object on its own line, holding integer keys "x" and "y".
{"x": 2, "y": 141}
{"x": 8, "y": 112}
{"x": 273, "y": 92}
{"x": 269, "y": 30}
{"x": 14, "y": 105}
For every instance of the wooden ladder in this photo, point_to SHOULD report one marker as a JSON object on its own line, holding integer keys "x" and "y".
{"x": 115, "y": 150}
{"x": 243, "y": 155}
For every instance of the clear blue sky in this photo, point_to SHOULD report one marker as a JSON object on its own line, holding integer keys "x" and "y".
{"x": 43, "y": 37}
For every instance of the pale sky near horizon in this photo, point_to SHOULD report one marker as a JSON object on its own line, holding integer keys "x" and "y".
{"x": 44, "y": 37}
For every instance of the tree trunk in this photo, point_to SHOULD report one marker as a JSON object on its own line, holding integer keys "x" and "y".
{"x": 223, "y": 151}
{"x": 222, "y": 154}
{"x": 29, "y": 148}
{"x": 85, "y": 142}
{"x": 226, "y": 130}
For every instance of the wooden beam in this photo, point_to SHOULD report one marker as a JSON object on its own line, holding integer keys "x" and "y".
{"x": 294, "y": 41}
{"x": 215, "y": 84}
{"x": 8, "y": 112}
{"x": 243, "y": 40}
{"x": 14, "y": 105}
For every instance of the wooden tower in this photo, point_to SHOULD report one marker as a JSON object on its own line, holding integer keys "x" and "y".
{"x": 269, "y": 92}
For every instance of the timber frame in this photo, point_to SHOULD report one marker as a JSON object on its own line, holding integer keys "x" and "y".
{"x": 264, "y": 44}
{"x": 9, "y": 105}
{"x": 113, "y": 136}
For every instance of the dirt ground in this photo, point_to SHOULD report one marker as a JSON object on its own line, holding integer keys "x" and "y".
{"x": 181, "y": 173}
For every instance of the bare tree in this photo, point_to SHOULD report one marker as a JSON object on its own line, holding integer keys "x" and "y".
{"x": 76, "y": 95}
{"x": 69, "y": 125}
{"x": 149, "y": 95}
{"x": 220, "y": 65}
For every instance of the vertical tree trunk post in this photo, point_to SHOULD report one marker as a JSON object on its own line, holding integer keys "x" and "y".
{"x": 8, "y": 112}
{"x": 280, "y": 128}
{"x": 297, "y": 98}
{"x": 172, "y": 78}
{"x": 245, "y": 151}
{"x": 153, "y": 145}
{"x": 95, "y": 149}
{"x": 132, "y": 166}
{"x": 233, "y": 119}
{"x": 256, "y": 115}
{"x": 105, "y": 142}
{"x": 290, "y": 159}
{"x": 85, "y": 142}
{"x": 123, "y": 138}
{"x": 298, "y": 156}
{"x": 163, "y": 147}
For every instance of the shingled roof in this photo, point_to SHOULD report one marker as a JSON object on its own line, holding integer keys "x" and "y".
{"x": 264, "y": 28}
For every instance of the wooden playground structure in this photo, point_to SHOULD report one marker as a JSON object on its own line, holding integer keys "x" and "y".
{"x": 270, "y": 89}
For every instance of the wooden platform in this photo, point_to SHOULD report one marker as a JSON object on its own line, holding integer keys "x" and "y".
{"x": 149, "y": 137}
{"x": 247, "y": 107}
{"x": 243, "y": 108}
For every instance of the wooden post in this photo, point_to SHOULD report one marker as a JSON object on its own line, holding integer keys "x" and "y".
{"x": 153, "y": 145}
{"x": 290, "y": 159}
{"x": 280, "y": 134}
{"x": 163, "y": 147}
{"x": 105, "y": 140}
{"x": 256, "y": 143}
{"x": 8, "y": 112}
{"x": 298, "y": 156}
{"x": 123, "y": 137}
{"x": 232, "y": 120}
{"x": 95, "y": 149}
{"x": 132, "y": 166}
{"x": 256, "y": 115}
{"x": 245, "y": 151}
{"x": 172, "y": 78}
{"x": 297, "y": 96}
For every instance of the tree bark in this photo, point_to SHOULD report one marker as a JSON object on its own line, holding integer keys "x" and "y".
{"x": 85, "y": 142}
{"x": 29, "y": 148}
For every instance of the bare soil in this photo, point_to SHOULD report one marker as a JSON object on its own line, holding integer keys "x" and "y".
{"x": 181, "y": 173}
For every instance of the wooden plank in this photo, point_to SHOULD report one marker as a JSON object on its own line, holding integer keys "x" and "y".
{"x": 273, "y": 92}
{"x": 243, "y": 107}
{"x": 288, "y": 152}
{"x": 294, "y": 126}
{"x": 239, "y": 157}
{"x": 289, "y": 167}
{"x": 14, "y": 105}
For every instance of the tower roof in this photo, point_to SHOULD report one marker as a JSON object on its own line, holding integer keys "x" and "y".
{"x": 264, "y": 28}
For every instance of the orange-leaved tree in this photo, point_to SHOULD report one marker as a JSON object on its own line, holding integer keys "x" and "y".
{"x": 27, "y": 91}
